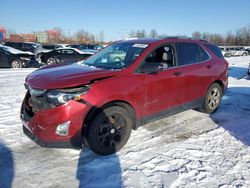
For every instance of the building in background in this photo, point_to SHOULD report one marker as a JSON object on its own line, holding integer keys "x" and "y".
{"x": 15, "y": 38}
{"x": 2, "y": 34}
{"x": 28, "y": 38}
{"x": 54, "y": 36}
{"x": 42, "y": 37}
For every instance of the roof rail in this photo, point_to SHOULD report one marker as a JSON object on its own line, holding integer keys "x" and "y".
{"x": 182, "y": 37}
{"x": 174, "y": 37}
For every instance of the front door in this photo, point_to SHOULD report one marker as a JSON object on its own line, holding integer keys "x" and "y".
{"x": 163, "y": 88}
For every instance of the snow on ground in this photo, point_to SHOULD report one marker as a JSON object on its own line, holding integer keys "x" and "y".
{"x": 190, "y": 149}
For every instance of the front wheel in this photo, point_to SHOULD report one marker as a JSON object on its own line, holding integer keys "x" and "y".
{"x": 16, "y": 64}
{"x": 51, "y": 61}
{"x": 212, "y": 99}
{"x": 244, "y": 54}
{"x": 110, "y": 130}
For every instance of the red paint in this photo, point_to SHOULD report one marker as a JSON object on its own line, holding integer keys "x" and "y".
{"x": 146, "y": 93}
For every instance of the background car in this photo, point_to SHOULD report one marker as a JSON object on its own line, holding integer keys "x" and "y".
{"x": 248, "y": 50}
{"x": 87, "y": 47}
{"x": 248, "y": 72}
{"x": 45, "y": 48}
{"x": 238, "y": 51}
{"x": 225, "y": 52}
{"x": 10, "y": 57}
{"x": 23, "y": 46}
{"x": 64, "y": 55}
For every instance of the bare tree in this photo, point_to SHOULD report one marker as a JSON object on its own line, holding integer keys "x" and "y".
{"x": 140, "y": 33}
{"x": 132, "y": 34}
{"x": 153, "y": 33}
{"x": 196, "y": 35}
{"x": 101, "y": 36}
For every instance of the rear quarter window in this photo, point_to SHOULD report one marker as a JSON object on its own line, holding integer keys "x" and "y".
{"x": 215, "y": 50}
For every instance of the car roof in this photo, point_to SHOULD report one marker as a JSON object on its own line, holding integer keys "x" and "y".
{"x": 75, "y": 49}
{"x": 152, "y": 40}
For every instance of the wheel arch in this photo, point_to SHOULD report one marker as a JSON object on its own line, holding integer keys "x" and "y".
{"x": 220, "y": 83}
{"x": 95, "y": 110}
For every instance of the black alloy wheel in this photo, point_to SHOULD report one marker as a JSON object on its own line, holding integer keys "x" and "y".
{"x": 110, "y": 130}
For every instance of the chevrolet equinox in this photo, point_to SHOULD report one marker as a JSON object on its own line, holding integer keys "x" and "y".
{"x": 97, "y": 102}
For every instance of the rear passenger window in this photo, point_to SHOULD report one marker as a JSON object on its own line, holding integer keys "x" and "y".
{"x": 215, "y": 49}
{"x": 188, "y": 53}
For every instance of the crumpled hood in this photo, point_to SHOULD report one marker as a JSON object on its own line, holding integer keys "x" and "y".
{"x": 65, "y": 76}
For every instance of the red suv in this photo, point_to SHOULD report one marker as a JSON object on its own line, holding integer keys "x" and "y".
{"x": 100, "y": 100}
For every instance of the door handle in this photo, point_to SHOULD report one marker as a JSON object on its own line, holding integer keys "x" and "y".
{"x": 209, "y": 66}
{"x": 177, "y": 73}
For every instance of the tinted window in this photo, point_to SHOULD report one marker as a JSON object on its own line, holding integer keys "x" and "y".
{"x": 48, "y": 47}
{"x": 68, "y": 52}
{"x": 188, "y": 53}
{"x": 216, "y": 51}
{"x": 204, "y": 55}
{"x": 28, "y": 47}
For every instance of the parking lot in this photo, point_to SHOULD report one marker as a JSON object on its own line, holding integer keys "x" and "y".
{"x": 187, "y": 149}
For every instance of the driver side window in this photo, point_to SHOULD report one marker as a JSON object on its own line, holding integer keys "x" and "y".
{"x": 162, "y": 57}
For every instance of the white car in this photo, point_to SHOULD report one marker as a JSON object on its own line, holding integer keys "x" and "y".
{"x": 225, "y": 52}
{"x": 238, "y": 51}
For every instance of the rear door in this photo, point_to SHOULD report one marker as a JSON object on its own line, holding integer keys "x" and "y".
{"x": 69, "y": 56}
{"x": 4, "y": 58}
{"x": 198, "y": 69}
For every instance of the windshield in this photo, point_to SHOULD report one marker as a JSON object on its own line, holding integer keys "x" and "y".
{"x": 116, "y": 56}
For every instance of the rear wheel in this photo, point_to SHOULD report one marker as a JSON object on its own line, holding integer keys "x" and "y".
{"x": 212, "y": 99}
{"x": 110, "y": 130}
{"x": 51, "y": 61}
{"x": 16, "y": 64}
{"x": 244, "y": 54}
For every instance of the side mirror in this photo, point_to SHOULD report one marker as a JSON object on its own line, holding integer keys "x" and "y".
{"x": 152, "y": 67}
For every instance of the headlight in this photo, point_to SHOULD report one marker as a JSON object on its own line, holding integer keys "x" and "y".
{"x": 35, "y": 92}
{"x": 61, "y": 96}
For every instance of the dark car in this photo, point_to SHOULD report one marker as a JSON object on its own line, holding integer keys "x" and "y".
{"x": 10, "y": 57}
{"x": 248, "y": 71}
{"x": 23, "y": 46}
{"x": 87, "y": 47}
{"x": 100, "y": 100}
{"x": 248, "y": 50}
{"x": 64, "y": 55}
{"x": 46, "y": 48}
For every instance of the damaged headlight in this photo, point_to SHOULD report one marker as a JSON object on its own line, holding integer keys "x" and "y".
{"x": 61, "y": 96}
{"x": 33, "y": 91}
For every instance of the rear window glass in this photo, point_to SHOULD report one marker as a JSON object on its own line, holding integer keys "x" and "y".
{"x": 215, "y": 49}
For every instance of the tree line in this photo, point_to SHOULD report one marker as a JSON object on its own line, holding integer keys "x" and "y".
{"x": 239, "y": 37}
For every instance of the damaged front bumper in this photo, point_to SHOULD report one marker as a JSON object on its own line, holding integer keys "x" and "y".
{"x": 42, "y": 126}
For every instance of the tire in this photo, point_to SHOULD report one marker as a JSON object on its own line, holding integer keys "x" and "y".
{"x": 244, "y": 54}
{"x": 109, "y": 130}
{"x": 16, "y": 64}
{"x": 212, "y": 99}
{"x": 51, "y": 61}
